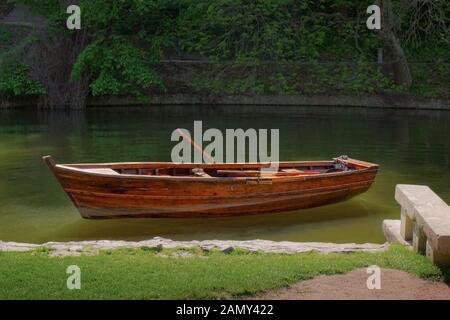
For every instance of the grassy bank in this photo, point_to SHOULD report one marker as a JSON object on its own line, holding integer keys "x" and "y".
{"x": 184, "y": 274}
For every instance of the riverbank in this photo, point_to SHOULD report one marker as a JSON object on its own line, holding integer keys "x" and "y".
{"x": 77, "y": 248}
{"x": 186, "y": 273}
{"x": 384, "y": 101}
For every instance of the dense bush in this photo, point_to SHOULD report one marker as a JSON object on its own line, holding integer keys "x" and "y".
{"x": 15, "y": 81}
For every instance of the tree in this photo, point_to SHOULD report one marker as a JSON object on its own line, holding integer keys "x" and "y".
{"x": 402, "y": 73}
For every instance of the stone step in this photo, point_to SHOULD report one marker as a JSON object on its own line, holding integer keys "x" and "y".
{"x": 425, "y": 219}
{"x": 391, "y": 230}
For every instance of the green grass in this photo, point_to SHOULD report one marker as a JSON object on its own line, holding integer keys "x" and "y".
{"x": 148, "y": 274}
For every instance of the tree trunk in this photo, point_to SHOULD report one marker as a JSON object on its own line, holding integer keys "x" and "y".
{"x": 402, "y": 73}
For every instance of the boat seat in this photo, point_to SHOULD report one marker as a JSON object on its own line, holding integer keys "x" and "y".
{"x": 296, "y": 172}
{"x": 101, "y": 171}
{"x": 312, "y": 171}
{"x": 202, "y": 175}
{"x": 292, "y": 171}
{"x": 240, "y": 173}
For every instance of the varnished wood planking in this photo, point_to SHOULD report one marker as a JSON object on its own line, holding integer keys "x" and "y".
{"x": 98, "y": 195}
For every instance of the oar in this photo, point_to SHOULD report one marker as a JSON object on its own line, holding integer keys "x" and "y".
{"x": 195, "y": 145}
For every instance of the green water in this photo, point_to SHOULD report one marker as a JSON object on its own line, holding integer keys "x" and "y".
{"x": 410, "y": 146}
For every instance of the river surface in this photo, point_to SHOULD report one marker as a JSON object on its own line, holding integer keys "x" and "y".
{"x": 410, "y": 147}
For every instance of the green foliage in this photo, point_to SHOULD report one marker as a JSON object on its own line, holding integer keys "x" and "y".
{"x": 15, "y": 81}
{"x": 125, "y": 39}
{"x": 364, "y": 77}
{"x": 125, "y": 47}
{"x": 283, "y": 46}
{"x": 253, "y": 46}
{"x": 426, "y": 75}
{"x": 5, "y": 36}
{"x": 117, "y": 67}
{"x": 248, "y": 32}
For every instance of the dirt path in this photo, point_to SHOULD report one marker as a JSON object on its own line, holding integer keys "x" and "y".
{"x": 352, "y": 286}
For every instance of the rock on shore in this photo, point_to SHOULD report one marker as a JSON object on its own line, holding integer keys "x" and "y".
{"x": 81, "y": 247}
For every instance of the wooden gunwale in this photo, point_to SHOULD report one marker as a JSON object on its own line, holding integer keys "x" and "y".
{"x": 169, "y": 165}
{"x": 189, "y": 165}
{"x": 213, "y": 179}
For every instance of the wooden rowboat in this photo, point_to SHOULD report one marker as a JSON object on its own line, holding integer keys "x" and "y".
{"x": 168, "y": 190}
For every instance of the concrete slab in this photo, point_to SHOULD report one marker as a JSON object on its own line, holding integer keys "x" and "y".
{"x": 431, "y": 217}
{"x": 437, "y": 257}
{"x": 419, "y": 239}
{"x": 391, "y": 230}
{"x": 412, "y": 196}
{"x": 435, "y": 221}
{"x": 406, "y": 226}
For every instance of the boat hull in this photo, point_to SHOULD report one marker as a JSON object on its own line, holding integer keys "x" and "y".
{"x": 99, "y": 196}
